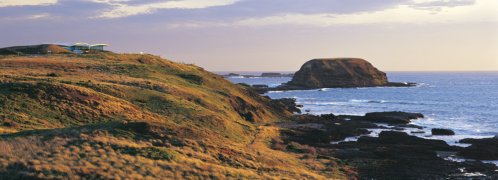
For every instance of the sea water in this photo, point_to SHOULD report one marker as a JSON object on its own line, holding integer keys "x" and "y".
{"x": 466, "y": 102}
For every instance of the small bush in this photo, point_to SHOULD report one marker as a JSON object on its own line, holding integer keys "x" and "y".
{"x": 54, "y": 75}
{"x": 295, "y": 147}
{"x": 176, "y": 142}
{"x": 244, "y": 84}
{"x": 148, "y": 152}
{"x": 192, "y": 78}
{"x": 279, "y": 146}
{"x": 298, "y": 148}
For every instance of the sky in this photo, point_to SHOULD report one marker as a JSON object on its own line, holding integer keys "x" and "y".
{"x": 269, "y": 35}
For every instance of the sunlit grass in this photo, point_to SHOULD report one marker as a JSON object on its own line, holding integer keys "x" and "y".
{"x": 130, "y": 116}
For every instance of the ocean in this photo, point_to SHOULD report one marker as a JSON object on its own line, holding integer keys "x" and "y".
{"x": 466, "y": 102}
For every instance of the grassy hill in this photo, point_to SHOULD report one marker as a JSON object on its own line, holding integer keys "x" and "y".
{"x": 34, "y": 49}
{"x": 111, "y": 115}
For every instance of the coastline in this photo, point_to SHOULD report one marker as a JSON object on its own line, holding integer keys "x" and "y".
{"x": 371, "y": 136}
{"x": 369, "y": 142}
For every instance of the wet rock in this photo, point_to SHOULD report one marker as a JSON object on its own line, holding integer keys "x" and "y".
{"x": 288, "y": 103}
{"x": 332, "y": 129}
{"x": 392, "y": 155}
{"x": 394, "y": 117}
{"x": 396, "y": 138}
{"x": 443, "y": 132}
{"x": 481, "y": 149}
{"x": 417, "y": 132}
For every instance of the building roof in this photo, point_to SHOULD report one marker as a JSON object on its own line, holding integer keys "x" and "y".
{"x": 99, "y": 45}
{"x": 82, "y": 44}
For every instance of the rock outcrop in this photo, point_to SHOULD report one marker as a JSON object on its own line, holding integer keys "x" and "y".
{"x": 482, "y": 149}
{"x": 339, "y": 73}
{"x": 442, "y": 132}
{"x": 394, "y": 117}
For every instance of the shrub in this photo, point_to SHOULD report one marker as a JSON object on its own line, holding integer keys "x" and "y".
{"x": 298, "y": 148}
{"x": 54, "y": 75}
{"x": 148, "y": 152}
{"x": 244, "y": 84}
{"x": 192, "y": 78}
{"x": 278, "y": 145}
{"x": 295, "y": 147}
{"x": 176, "y": 142}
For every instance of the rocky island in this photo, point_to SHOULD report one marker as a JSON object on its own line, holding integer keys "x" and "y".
{"x": 337, "y": 73}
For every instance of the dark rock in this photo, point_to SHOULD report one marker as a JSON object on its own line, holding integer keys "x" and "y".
{"x": 396, "y": 154}
{"x": 482, "y": 149}
{"x": 244, "y": 108}
{"x": 417, "y": 132}
{"x": 394, "y": 137}
{"x": 259, "y": 86}
{"x": 333, "y": 129}
{"x": 409, "y": 126}
{"x": 444, "y": 132}
{"x": 394, "y": 117}
{"x": 288, "y": 103}
{"x": 233, "y": 74}
{"x": 269, "y": 74}
{"x": 392, "y": 155}
{"x": 328, "y": 116}
{"x": 400, "y": 84}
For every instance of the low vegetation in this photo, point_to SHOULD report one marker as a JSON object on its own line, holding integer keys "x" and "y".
{"x": 131, "y": 116}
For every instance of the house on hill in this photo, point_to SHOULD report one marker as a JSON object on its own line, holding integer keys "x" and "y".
{"x": 55, "y": 48}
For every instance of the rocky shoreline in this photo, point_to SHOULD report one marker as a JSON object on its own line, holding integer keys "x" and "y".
{"x": 384, "y": 145}
{"x": 393, "y": 153}
{"x": 379, "y": 145}
{"x": 262, "y": 89}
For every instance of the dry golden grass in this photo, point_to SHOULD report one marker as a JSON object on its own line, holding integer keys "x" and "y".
{"x": 98, "y": 152}
{"x": 134, "y": 116}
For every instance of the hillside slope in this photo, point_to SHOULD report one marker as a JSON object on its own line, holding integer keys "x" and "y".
{"x": 34, "y": 49}
{"x": 138, "y": 116}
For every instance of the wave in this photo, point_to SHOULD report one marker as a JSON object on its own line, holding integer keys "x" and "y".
{"x": 367, "y": 101}
{"x": 236, "y": 77}
{"x": 352, "y": 102}
{"x": 319, "y": 103}
{"x": 386, "y": 101}
{"x": 275, "y": 92}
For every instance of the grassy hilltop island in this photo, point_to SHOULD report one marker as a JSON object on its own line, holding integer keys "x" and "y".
{"x": 103, "y": 115}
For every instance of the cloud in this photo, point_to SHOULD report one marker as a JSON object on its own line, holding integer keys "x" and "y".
{"x": 7, "y": 3}
{"x": 29, "y": 17}
{"x": 437, "y": 5}
{"x": 120, "y": 8}
{"x": 39, "y": 16}
{"x": 481, "y": 11}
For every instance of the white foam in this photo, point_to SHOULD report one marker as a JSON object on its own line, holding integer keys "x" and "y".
{"x": 493, "y": 162}
{"x": 275, "y": 92}
{"x": 236, "y": 77}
